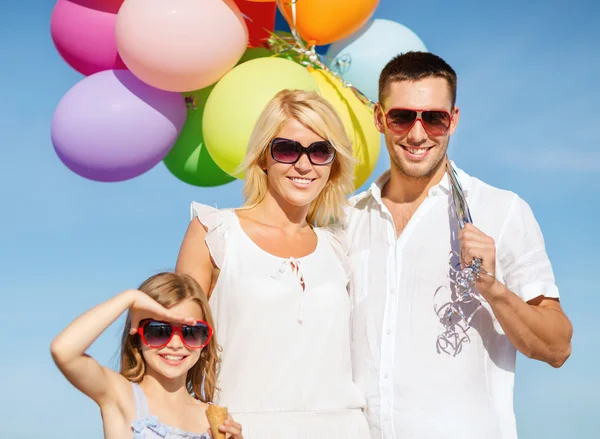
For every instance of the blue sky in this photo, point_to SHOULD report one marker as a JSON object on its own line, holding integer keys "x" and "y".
{"x": 528, "y": 93}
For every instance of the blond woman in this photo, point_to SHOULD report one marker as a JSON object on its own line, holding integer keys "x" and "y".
{"x": 278, "y": 278}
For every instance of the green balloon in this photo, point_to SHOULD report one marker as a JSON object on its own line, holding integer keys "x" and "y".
{"x": 189, "y": 159}
{"x": 253, "y": 53}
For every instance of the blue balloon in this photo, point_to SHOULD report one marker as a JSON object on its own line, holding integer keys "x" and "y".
{"x": 281, "y": 23}
{"x": 360, "y": 58}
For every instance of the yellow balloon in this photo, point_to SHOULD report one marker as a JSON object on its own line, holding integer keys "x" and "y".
{"x": 237, "y": 100}
{"x": 358, "y": 120}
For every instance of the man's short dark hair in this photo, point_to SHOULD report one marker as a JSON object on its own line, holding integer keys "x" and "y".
{"x": 413, "y": 66}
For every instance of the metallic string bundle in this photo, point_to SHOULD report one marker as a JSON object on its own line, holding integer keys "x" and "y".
{"x": 455, "y": 314}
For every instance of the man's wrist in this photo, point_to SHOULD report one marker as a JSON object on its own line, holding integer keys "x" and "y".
{"x": 494, "y": 291}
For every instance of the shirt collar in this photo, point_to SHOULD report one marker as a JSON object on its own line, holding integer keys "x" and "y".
{"x": 442, "y": 188}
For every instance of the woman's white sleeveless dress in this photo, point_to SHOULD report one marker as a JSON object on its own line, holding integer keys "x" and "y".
{"x": 284, "y": 326}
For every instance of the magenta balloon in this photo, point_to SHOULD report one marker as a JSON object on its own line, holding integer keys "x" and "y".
{"x": 83, "y": 32}
{"x": 111, "y": 126}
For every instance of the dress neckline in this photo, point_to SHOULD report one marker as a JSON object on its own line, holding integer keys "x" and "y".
{"x": 281, "y": 258}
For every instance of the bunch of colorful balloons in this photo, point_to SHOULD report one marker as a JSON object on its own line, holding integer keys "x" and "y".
{"x": 184, "y": 81}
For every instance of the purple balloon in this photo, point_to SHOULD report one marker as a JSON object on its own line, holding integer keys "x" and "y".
{"x": 111, "y": 126}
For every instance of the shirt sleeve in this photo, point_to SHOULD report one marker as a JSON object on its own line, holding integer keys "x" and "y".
{"x": 522, "y": 257}
{"x": 339, "y": 243}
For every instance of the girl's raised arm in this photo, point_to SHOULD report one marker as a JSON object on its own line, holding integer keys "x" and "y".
{"x": 68, "y": 348}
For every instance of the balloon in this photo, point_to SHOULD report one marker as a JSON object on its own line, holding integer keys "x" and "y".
{"x": 282, "y": 25}
{"x": 358, "y": 120}
{"x": 360, "y": 58}
{"x": 180, "y": 45}
{"x": 189, "y": 159}
{"x": 111, "y": 126}
{"x": 238, "y": 99}
{"x": 322, "y": 22}
{"x": 260, "y": 21}
{"x": 254, "y": 53}
{"x": 83, "y": 32}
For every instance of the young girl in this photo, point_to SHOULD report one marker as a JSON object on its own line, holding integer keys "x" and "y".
{"x": 168, "y": 361}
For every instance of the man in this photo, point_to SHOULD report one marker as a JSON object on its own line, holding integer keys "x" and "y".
{"x": 419, "y": 384}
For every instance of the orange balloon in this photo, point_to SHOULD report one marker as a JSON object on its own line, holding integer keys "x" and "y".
{"x": 322, "y": 22}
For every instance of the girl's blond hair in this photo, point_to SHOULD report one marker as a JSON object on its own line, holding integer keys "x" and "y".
{"x": 170, "y": 289}
{"x": 315, "y": 113}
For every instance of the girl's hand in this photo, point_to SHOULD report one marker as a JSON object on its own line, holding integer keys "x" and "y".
{"x": 233, "y": 428}
{"x": 143, "y": 305}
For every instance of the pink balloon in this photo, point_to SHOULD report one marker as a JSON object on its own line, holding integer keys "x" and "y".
{"x": 83, "y": 32}
{"x": 180, "y": 45}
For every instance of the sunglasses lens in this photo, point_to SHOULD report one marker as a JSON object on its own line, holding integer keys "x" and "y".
{"x": 157, "y": 333}
{"x": 195, "y": 336}
{"x": 401, "y": 120}
{"x": 285, "y": 151}
{"x": 436, "y": 122}
{"x": 322, "y": 153}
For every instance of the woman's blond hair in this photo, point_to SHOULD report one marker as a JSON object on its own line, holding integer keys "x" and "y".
{"x": 315, "y": 113}
{"x": 170, "y": 289}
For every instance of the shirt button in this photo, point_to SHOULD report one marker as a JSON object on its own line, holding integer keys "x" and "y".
{"x": 385, "y": 375}
{"x": 388, "y": 332}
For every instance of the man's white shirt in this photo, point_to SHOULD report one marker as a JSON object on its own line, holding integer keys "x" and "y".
{"x": 413, "y": 391}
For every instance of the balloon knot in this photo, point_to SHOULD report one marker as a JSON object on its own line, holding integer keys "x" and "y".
{"x": 190, "y": 102}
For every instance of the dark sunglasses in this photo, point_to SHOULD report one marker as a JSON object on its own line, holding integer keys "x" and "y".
{"x": 401, "y": 120}
{"x": 289, "y": 151}
{"x": 156, "y": 334}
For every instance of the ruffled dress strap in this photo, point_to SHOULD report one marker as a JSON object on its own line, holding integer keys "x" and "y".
{"x": 143, "y": 420}
{"x": 218, "y": 223}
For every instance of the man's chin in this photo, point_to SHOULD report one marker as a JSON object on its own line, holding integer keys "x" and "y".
{"x": 424, "y": 169}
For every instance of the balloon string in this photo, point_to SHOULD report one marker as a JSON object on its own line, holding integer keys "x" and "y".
{"x": 456, "y": 319}
{"x": 308, "y": 55}
{"x": 293, "y": 26}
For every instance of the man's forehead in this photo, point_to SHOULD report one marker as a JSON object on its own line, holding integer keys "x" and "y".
{"x": 427, "y": 91}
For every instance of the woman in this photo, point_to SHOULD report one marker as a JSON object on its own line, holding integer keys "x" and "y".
{"x": 279, "y": 278}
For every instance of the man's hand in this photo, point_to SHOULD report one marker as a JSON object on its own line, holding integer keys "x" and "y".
{"x": 538, "y": 328}
{"x": 476, "y": 244}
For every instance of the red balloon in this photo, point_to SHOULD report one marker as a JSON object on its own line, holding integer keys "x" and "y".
{"x": 260, "y": 20}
